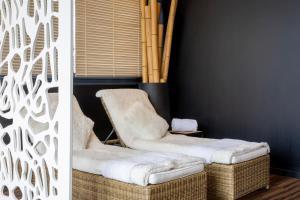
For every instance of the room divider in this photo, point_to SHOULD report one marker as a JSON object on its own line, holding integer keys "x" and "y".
{"x": 35, "y": 138}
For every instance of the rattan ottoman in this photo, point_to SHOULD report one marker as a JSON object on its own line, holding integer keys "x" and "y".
{"x": 227, "y": 182}
{"x": 88, "y": 186}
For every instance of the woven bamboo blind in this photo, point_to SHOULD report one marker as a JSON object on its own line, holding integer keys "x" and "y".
{"x": 108, "y": 38}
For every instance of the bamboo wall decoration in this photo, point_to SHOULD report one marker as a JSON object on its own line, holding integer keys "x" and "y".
{"x": 156, "y": 56}
{"x": 168, "y": 42}
{"x": 149, "y": 43}
{"x": 144, "y": 43}
{"x": 154, "y": 40}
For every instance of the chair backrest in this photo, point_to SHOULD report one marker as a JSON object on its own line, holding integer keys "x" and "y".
{"x": 116, "y": 102}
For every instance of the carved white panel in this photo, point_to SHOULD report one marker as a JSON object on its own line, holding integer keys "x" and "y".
{"x": 35, "y": 49}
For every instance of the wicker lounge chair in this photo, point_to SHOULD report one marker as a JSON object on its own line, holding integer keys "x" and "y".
{"x": 88, "y": 186}
{"x": 225, "y": 181}
{"x": 91, "y": 186}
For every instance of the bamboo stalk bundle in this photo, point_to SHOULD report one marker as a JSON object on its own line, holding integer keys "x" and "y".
{"x": 144, "y": 43}
{"x": 156, "y": 57}
{"x": 149, "y": 42}
{"x": 154, "y": 40}
{"x": 168, "y": 42}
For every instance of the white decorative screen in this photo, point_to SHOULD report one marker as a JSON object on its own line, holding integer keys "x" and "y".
{"x": 35, "y": 56}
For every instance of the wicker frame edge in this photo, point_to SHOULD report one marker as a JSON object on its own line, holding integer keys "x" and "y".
{"x": 88, "y": 186}
{"x": 237, "y": 180}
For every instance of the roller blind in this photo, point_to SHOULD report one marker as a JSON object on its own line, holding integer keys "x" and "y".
{"x": 108, "y": 38}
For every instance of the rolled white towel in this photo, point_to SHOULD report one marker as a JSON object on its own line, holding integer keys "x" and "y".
{"x": 184, "y": 124}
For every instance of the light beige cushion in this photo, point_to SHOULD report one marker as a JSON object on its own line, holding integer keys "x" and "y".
{"x": 144, "y": 123}
{"x": 82, "y": 125}
{"x": 117, "y": 102}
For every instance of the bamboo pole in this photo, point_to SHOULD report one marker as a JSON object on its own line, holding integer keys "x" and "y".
{"x": 149, "y": 42}
{"x": 160, "y": 45}
{"x": 158, "y": 11}
{"x": 160, "y": 36}
{"x": 144, "y": 44}
{"x": 154, "y": 41}
{"x": 168, "y": 42}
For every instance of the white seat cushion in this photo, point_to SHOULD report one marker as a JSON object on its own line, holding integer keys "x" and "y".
{"x": 117, "y": 102}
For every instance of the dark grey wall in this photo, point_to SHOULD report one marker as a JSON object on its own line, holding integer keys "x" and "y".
{"x": 236, "y": 69}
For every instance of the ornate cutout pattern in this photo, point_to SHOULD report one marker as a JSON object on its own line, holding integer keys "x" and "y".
{"x": 28, "y": 125}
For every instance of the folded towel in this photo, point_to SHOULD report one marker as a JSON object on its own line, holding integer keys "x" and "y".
{"x": 224, "y": 150}
{"x": 138, "y": 169}
{"x": 184, "y": 125}
{"x": 134, "y": 171}
{"x": 230, "y": 148}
